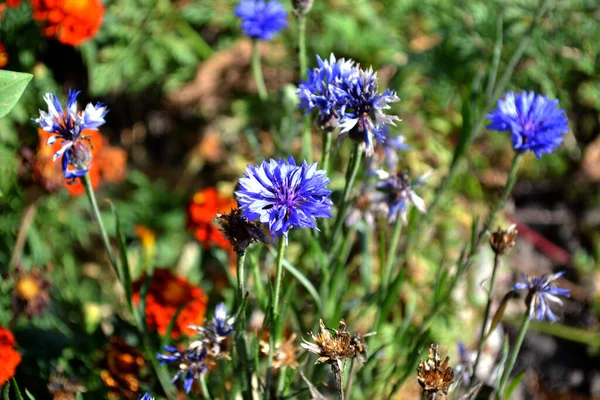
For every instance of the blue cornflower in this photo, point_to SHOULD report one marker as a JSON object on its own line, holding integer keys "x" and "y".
{"x": 535, "y": 122}
{"x": 191, "y": 363}
{"x": 66, "y": 125}
{"x": 145, "y": 396}
{"x": 324, "y": 89}
{"x": 221, "y": 323}
{"x": 262, "y": 19}
{"x": 464, "y": 368}
{"x": 363, "y": 117}
{"x": 400, "y": 193}
{"x": 284, "y": 195}
{"x": 541, "y": 291}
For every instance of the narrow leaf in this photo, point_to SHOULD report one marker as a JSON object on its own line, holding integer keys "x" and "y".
{"x": 513, "y": 385}
{"x": 17, "y": 391}
{"x": 500, "y": 312}
{"x": 12, "y": 86}
{"x": 464, "y": 140}
{"x": 124, "y": 272}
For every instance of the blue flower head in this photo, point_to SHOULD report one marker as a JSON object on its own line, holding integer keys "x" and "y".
{"x": 222, "y": 323}
{"x": 66, "y": 125}
{"x": 262, "y": 19}
{"x": 535, "y": 122}
{"x": 145, "y": 396}
{"x": 541, "y": 291}
{"x": 284, "y": 195}
{"x": 347, "y": 97}
{"x": 400, "y": 194}
{"x": 191, "y": 363}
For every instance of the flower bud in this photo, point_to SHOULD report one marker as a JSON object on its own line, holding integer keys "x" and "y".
{"x": 502, "y": 241}
{"x": 302, "y": 7}
{"x": 81, "y": 156}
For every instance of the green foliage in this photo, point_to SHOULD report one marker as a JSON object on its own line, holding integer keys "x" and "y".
{"x": 12, "y": 86}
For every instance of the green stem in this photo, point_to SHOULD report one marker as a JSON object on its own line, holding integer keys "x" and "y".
{"x": 327, "y": 150}
{"x": 204, "y": 387}
{"x": 257, "y": 71}
{"x": 391, "y": 254}
{"x": 515, "y": 352}
{"x": 278, "y": 275}
{"x": 302, "y": 64}
{"x": 240, "y": 276}
{"x": 351, "y": 173}
{"x": 486, "y": 316}
{"x": 89, "y": 191}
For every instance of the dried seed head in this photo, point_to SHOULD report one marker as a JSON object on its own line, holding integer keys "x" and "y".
{"x": 433, "y": 374}
{"x": 502, "y": 241}
{"x": 331, "y": 349}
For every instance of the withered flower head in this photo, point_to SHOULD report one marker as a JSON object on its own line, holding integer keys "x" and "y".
{"x": 302, "y": 7}
{"x": 240, "y": 232}
{"x": 62, "y": 388}
{"x": 285, "y": 352}
{"x": 123, "y": 364}
{"x": 434, "y": 375}
{"x": 31, "y": 294}
{"x": 502, "y": 241}
{"x": 331, "y": 349}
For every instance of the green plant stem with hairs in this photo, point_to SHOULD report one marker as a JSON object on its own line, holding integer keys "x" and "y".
{"x": 514, "y": 353}
{"x": 275, "y": 332}
{"x": 241, "y": 287}
{"x": 486, "y": 315}
{"x": 257, "y": 71}
{"x": 149, "y": 350}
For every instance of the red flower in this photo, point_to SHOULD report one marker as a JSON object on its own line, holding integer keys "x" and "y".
{"x": 70, "y": 21}
{"x": 13, "y": 3}
{"x": 9, "y": 357}
{"x": 166, "y": 294}
{"x": 203, "y": 210}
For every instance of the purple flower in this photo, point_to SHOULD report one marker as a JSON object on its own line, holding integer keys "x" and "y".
{"x": 284, "y": 195}
{"x": 400, "y": 194}
{"x": 66, "y": 125}
{"x": 261, "y": 19}
{"x": 347, "y": 97}
{"x": 191, "y": 363}
{"x": 145, "y": 396}
{"x": 535, "y": 122}
{"x": 541, "y": 291}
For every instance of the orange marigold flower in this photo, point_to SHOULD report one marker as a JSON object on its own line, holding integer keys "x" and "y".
{"x": 109, "y": 164}
{"x": 3, "y": 56}
{"x": 13, "y": 3}
{"x": 70, "y": 21}
{"x": 166, "y": 294}
{"x": 122, "y": 369}
{"x": 9, "y": 357}
{"x": 203, "y": 210}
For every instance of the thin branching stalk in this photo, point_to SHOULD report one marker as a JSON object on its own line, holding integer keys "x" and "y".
{"x": 514, "y": 353}
{"x": 240, "y": 276}
{"x": 257, "y": 71}
{"x": 391, "y": 255}
{"x": 351, "y": 173}
{"x": 337, "y": 373}
{"x": 26, "y": 221}
{"x": 486, "y": 316}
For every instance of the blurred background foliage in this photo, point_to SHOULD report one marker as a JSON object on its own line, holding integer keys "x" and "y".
{"x": 175, "y": 75}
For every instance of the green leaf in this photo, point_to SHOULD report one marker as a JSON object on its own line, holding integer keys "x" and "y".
{"x": 12, "y": 86}
{"x": 17, "y": 391}
{"x": 513, "y": 385}
{"x": 303, "y": 280}
{"x": 6, "y": 391}
{"x": 466, "y": 134}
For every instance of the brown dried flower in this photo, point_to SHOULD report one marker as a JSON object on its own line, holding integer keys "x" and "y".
{"x": 240, "y": 232}
{"x": 31, "y": 293}
{"x": 62, "y": 388}
{"x": 502, "y": 241}
{"x": 122, "y": 369}
{"x": 285, "y": 352}
{"x": 331, "y": 349}
{"x": 434, "y": 375}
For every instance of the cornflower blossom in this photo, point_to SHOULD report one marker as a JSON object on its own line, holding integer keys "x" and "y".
{"x": 464, "y": 368}
{"x": 386, "y": 153}
{"x": 145, "y": 396}
{"x": 212, "y": 344}
{"x": 535, "y": 122}
{"x": 347, "y": 97}
{"x": 284, "y": 195}
{"x": 541, "y": 291}
{"x": 367, "y": 205}
{"x": 262, "y": 19}
{"x": 400, "y": 194}
{"x": 325, "y": 89}
{"x": 66, "y": 125}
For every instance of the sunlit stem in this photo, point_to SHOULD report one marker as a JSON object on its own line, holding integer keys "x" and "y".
{"x": 257, "y": 71}
{"x": 240, "y": 276}
{"x": 514, "y": 353}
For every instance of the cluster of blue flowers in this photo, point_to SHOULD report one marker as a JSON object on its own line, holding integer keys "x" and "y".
{"x": 347, "y": 98}
{"x": 284, "y": 195}
{"x": 66, "y": 125}
{"x": 262, "y": 19}
{"x": 192, "y": 362}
